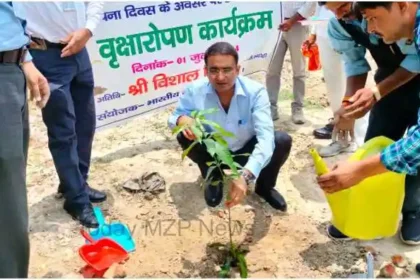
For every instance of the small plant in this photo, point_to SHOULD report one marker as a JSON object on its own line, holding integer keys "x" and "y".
{"x": 210, "y": 134}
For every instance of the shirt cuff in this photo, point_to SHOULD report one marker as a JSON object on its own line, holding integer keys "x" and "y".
{"x": 393, "y": 163}
{"x": 254, "y": 166}
{"x": 28, "y": 56}
{"x": 172, "y": 121}
{"x": 411, "y": 63}
{"x": 355, "y": 68}
{"x": 91, "y": 26}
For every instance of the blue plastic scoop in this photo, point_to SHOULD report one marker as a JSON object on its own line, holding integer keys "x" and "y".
{"x": 370, "y": 273}
{"x": 116, "y": 231}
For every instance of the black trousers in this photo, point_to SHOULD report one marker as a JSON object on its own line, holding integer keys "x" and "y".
{"x": 268, "y": 176}
{"x": 14, "y": 131}
{"x": 70, "y": 118}
{"x": 391, "y": 117}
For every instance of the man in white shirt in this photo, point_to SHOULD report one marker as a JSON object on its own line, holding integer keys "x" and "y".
{"x": 335, "y": 80}
{"x": 59, "y": 33}
{"x": 292, "y": 36}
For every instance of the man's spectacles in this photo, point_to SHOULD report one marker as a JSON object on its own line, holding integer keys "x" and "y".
{"x": 225, "y": 71}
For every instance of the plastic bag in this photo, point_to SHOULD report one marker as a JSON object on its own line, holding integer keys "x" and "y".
{"x": 312, "y": 52}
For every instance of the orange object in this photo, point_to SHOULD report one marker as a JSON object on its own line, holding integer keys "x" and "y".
{"x": 312, "y": 53}
{"x": 101, "y": 254}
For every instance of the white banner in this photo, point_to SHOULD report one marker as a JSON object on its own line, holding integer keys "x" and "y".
{"x": 144, "y": 53}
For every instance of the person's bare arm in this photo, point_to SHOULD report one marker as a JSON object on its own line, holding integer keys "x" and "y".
{"x": 354, "y": 83}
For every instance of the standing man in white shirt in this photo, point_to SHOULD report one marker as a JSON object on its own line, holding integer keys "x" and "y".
{"x": 335, "y": 80}
{"x": 292, "y": 37}
{"x": 59, "y": 33}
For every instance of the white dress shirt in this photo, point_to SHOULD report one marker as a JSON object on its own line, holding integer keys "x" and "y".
{"x": 53, "y": 21}
{"x": 322, "y": 13}
{"x": 305, "y": 9}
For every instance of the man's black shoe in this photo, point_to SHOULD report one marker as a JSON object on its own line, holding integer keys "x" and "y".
{"x": 95, "y": 196}
{"x": 213, "y": 194}
{"x": 324, "y": 132}
{"x": 274, "y": 198}
{"x": 82, "y": 213}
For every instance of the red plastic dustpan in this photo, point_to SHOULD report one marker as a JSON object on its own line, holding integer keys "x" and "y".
{"x": 101, "y": 254}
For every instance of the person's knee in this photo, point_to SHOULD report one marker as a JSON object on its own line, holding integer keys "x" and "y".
{"x": 282, "y": 141}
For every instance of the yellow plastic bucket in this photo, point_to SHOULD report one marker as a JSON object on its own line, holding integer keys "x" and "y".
{"x": 372, "y": 208}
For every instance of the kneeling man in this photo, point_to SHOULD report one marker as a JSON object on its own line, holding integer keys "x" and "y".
{"x": 244, "y": 110}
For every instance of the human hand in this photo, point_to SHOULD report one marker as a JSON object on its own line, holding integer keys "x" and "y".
{"x": 343, "y": 127}
{"x": 361, "y": 103}
{"x": 342, "y": 176}
{"x": 237, "y": 192}
{"x": 75, "y": 41}
{"x": 37, "y": 84}
{"x": 285, "y": 26}
{"x": 310, "y": 41}
{"x": 188, "y": 121}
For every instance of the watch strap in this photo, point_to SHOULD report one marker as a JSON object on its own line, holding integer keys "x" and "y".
{"x": 249, "y": 178}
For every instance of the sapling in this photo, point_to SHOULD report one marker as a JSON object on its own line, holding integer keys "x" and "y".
{"x": 211, "y": 136}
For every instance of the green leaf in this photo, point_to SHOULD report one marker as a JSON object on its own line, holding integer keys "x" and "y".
{"x": 220, "y": 140}
{"x": 187, "y": 150}
{"x": 224, "y": 272}
{"x": 238, "y": 165}
{"x": 199, "y": 124}
{"x": 194, "y": 113}
{"x": 211, "y": 146}
{"x": 197, "y": 132}
{"x": 177, "y": 129}
{"x": 209, "y": 111}
{"x": 224, "y": 155}
{"x": 209, "y": 171}
{"x": 243, "y": 269}
{"x": 220, "y": 130}
{"x": 210, "y": 163}
{"x": 215, "y": 183}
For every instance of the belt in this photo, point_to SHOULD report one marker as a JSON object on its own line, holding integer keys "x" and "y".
{"x": 42, "y": 44}
{"x": 13, "y": 56}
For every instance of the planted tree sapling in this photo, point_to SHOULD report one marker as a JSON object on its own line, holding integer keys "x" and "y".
{"x": 211, "y": 136}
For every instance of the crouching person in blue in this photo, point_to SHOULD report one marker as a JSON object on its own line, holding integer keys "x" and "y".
{"x": 244, "y": 110}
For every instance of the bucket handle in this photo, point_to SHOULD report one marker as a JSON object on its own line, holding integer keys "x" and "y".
{"x": 376, "y": 144}
{"x": 87, "y": 236}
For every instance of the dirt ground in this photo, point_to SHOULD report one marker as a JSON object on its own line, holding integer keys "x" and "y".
{"x": 173, "y": 230}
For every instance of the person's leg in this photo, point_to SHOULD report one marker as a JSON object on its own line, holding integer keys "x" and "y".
{"x": 335, "y": 81}
{"x": 295, "y": 37}
{"x": 410, "y": 227}
{"x": 266, "y": 181}
{"x": 273, "y": 78}
{"x": 81, "y": 89}
{"x": 60, "y": 119}
{"x": 14, "y": 131}
{"x": 198, "y": 154}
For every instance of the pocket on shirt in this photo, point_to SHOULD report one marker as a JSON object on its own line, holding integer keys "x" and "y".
{"x": 244, "y": 130}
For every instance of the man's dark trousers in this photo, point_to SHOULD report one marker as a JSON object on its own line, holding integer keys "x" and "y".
{"x": 14, "y": 131}
{"x": 268, "y": 175}
{"x": 70, "y": 118}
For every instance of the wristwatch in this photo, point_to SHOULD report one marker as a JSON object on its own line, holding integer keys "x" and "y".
{"x": 248, "y": 176}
